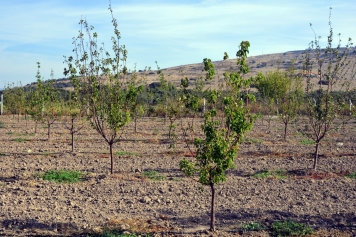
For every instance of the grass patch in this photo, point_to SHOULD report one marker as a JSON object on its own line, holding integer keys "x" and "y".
{"x": 2, "y": 154}
{"x": 351, "y": 175}
{"x": 252, "y": 140}
{"x": 277, "y": 174}
{"x": 20, "y": 139}
{"x": 62, "y": 176}
{"x": 290, "y": 228}
{"x": 253, "y": 226}
{"x": 2, "y": 124}
{"x": 153, "y": 175}
{"x": 9, "y": 133}
{"x": 125, "y": 153}
{"x": 307, "y": 142}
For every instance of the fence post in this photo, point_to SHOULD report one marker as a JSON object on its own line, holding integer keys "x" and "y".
{"x": 1, "y": 104}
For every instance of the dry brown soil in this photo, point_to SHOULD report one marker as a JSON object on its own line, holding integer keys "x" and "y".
{"x": 174, "y": 206}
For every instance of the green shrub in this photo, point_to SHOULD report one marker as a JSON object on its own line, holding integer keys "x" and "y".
{"x": 62, "y": 176}
{"x": 264, "y": 174}
{"x": 20, "y": 139}
{"x": 153, "y": 175}
{"x": 290, "y": 228}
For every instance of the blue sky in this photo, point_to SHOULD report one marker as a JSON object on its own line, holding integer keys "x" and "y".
{"x": 170, "y": 32}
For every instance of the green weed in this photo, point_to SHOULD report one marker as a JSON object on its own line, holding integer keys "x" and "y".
{"x": 2, "y": 154}
{"x": 352, "y": 175}
{"x": 9, "y": 133}
{"x": 290, "y": 228}
{"x": 307, "y": 142}
{"x": 153, "y": 175}
{"x": 2, "y": 124}
{"x": 20, "y": 139}
{"x": 63, "y": 176}
{"x": 253, "y": 226}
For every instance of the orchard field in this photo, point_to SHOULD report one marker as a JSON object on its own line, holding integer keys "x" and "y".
{"x": 147, "y": 193}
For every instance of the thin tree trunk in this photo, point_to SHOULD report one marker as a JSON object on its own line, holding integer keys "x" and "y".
{"x": 316, "y": 154}
{"x": 285, "y": 131}
{"x": 49, "y": 131}
{"x": 135, "y": 124}
{"x": 112, "y": 159}
{"x": 212, "y": 213}
{"x": 72, "y": 133}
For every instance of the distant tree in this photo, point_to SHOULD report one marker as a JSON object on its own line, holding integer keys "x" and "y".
{"x": 73, "y": 112}
{"x": 291, "y": 101}
{"x": 134, "y": 89}
{"x": 14, "y": 99}
{"x": 49, "y": 96}
{"x": 34, "y": 102}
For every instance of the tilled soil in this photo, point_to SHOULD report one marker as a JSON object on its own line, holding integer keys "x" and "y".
{"x": 174, "y": 205}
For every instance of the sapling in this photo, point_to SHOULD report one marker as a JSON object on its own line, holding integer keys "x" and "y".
{"x": 323, "y": 108}
{"x": 216, "y": 151}
{"x": 101, "y": 83}
{"x": 51, "y": 111}
{"x": 73, "y": 113}
{"x": 273, "y": 88}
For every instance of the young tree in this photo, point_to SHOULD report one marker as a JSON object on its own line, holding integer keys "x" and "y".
{"x": 332, "y": 65}
{"x": 15, "y": 99}
{"x": 73, "y": 112}
{"x": 51, "y": 109}
{"x": 216, "y": 151}
{"x": 273, "y": 87}
{"x": 34, "y": 103}
{"x": 134, "y": 89}
{"x": 102, "y": 83}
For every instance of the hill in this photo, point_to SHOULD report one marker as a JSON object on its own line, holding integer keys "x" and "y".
{"x": 260, "y": 63}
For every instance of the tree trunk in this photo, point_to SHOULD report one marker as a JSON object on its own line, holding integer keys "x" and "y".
{"x": 212, "y": 213}
{"x": 72, "y": 133}
{"x": 285, "y": 131}
{"x": 112, "y": 159}
{"x": 135, "y": 124}
{"x": 49, "y": 131}
{"x": 316, "y": 154}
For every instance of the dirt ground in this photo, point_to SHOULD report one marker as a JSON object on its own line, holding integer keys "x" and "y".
{"x": 173, "y": 205}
